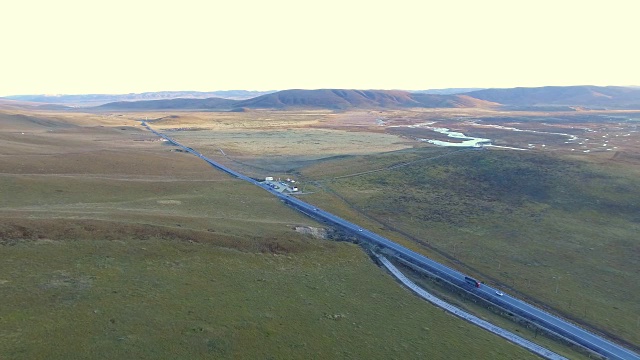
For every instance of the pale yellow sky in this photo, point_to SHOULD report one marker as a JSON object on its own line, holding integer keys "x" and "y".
{"x": 122, "y": 46}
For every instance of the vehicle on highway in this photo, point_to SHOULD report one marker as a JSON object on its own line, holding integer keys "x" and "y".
{"x": 499, "y": 293}
{"x": 472, "y": 281}
{"x": 359, "y": 229}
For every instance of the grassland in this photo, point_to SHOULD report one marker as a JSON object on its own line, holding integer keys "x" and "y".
{"x": 560, "y": 232}
{"x": 553, "y": 225}
{"x": 166, "y": 299}
{"x": 115, "y": 246}
{"x": 264, "y": 143}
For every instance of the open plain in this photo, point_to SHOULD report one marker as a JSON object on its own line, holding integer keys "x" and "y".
{"x": 547, "y": 211}
{"x": 115, "y": 245}
{"x": 130, "y": 248}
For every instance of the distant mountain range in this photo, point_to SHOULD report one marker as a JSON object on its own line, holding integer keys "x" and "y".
{"x": 542, "y": 98}
{"x": 99, "y": 99}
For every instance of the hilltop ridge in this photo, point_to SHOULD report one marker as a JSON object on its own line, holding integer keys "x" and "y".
{"x": 334, "y": 99}
{"x": 604, "y": 96}
{"x": 549, "y": 97}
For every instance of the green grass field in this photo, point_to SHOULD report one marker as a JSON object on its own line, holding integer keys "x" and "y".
{"x": 172, "y": 299}
{"x": 114, "y": 246}
{"x": 559, "y": 232}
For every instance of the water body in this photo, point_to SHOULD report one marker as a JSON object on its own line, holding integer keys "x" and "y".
{"x": 466, "y": 141}
{"x": 470, "y": 141}
{"x": 569, "y": 136}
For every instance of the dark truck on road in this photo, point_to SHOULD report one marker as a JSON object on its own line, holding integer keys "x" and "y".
{"x": 472, "y": 281}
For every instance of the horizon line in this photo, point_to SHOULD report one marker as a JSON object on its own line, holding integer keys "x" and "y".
{"x": 311, "y": 89}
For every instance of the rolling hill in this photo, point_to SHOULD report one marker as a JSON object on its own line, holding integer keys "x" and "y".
{"x": 18, "y": 104}
{"x": 590, "y": 96}
{"x": 172, "y": 104}
{"x": 346, "y": 99}
{"x": 549, "y": 97}
{"x": 334, "y": 99}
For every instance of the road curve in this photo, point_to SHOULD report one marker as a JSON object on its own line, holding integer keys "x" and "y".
{"x": 552, "y": 323}
{"x": 533, "y": 347}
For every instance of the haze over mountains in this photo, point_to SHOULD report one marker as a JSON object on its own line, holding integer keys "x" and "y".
{"x": 99, "y": 99}
{"x": 550, "y": 97}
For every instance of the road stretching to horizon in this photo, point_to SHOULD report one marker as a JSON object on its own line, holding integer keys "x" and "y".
{"x": 552, "y": 323}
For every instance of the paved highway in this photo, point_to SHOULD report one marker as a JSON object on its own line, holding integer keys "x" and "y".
{"x": 533, "y": 347}
{"x": 550, "y": 322}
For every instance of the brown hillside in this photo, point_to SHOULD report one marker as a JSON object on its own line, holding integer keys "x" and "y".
{"x": 333, "y": 99}
{"x": 363, "y": 99}
{"x": 601, "y": 96}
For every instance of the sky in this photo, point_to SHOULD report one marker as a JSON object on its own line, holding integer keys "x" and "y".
{"x": 116, "y": 46}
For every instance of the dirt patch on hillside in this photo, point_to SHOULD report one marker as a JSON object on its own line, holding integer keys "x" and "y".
{"x": 318, "y": 233}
